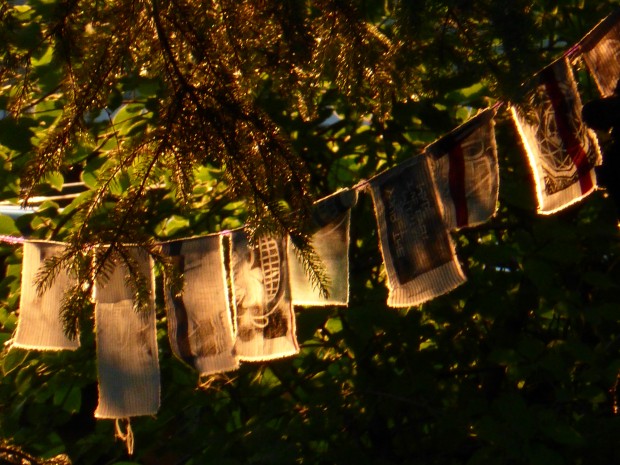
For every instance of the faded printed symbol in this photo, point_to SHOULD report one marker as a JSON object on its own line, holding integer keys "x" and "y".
{"x": 259, "y": 273}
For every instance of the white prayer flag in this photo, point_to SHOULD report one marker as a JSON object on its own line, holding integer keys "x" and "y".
{"x": 39, "y": 326}
{"x": 465, "y": 168}
{"x": 600, "y": 49}
{"x": 417, "y": 250}
{"x": 332, "y": 219}
{"x": 265, "y": 316}
{"x": 127, "y": 357}
{"x": 561, "y": 150}
{"x": 200, "y": 326}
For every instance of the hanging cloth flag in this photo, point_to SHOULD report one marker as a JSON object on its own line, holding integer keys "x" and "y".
{"x": 561, "y": 150}
{"x": 600, "y": 49}
{"x": 199, "y": 321}
{"x": 417, "y": 250}
{"x": 261, "y": 290}
{"x": 330, "y": 240}
{"x": 39, "y": 326}
{"x": 464, "y": 165}
{"x": 127, "y": 358}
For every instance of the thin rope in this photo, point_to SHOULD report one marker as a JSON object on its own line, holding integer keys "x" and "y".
{"x": 574, "y": 50}
{"x": 127, "y": 436}
{"x": 12, "y": 239}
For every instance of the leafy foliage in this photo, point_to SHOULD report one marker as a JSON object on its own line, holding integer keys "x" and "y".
{"x": 185, "y": 118}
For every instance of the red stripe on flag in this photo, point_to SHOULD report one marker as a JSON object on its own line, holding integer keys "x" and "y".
{"x": 456, "y": 180}
{"x": 572, "y": 145}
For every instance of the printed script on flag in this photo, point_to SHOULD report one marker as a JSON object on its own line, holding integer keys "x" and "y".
{"x": 561, "y": 150}
{"x": 465, "y": 168}
{"x": 417, "y": 250}
{"x": 600, "y": 49}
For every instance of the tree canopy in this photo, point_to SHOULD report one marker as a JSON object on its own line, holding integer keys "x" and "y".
{"x": 137, "y": 121}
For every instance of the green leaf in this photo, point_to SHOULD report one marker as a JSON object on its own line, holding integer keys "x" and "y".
{"x": 17, "y": 134}
{"x": 121, "y": 183}
{"x": 13, "y": 360}
{"x": 55, "y": 179}
{"x": 45, "y": 58}
{"x": 69, "y": 397}
{"x": 599, "y": 280}
{"x": 4, "y": 337}
{"x": 171, "y": 226}
{"x": 7, "y": 225}
{"x": 90, "y": 174}
{"x": 542, "y": 455}
{"x": 563, "y": 434}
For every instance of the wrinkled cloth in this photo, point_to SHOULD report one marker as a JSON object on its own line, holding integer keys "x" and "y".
{"x": 264, "y": 310}
{"x": 561, "y": 150}
{"x": 600, "y": 49}
{"x": 330, "y": 240}
{"x": 465, "y": 168}
{"x": 200, "y": 327}
{"x": 127, "y": 356}
{"x": 39, "y": 326}
{"x": 418, "y": 252}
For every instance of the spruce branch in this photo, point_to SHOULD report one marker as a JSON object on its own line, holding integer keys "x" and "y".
{"x": 313, "y": 266}
{"x": 137, "y": 279}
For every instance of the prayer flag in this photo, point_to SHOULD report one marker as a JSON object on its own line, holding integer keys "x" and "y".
{"x": 199, "y": 320}
{"x": 330, "y": 240}
{"x": 265, "y": 317}
{"x": 561, "y": 150}
{"x": 39, "y": 325}
{"x": 417, "y": 250}
{"x": 127, "y": 357}
{"x": 464, "y": 165}
{"x": 600, "y": 49}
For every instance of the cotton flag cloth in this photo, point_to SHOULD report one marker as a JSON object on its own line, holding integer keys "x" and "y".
{"x": 561, "y": 151}
{"x": 600, "y": 50}
{"x": 200, "y": 325}
{"x": 417, "y": 250}
{"x": 127, "y": 358}
{"x": 265, "y": 317}
{"x": 464, "y": 165}
{"x": 330, "y": 240}
{"x": 39, "y": 325}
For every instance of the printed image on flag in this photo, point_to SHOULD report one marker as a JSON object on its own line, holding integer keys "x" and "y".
{"x": 39, "y": 326}
{"x": 264, "y": 310}
{"x": 465, "y": 168}
{"x": 127, "y": 356}
{"x": 561, "y": 150}
{"x": 332, "y": 218}
{"x": 199, "y": 320}
{"x": 600, "y": 49}
{"x": 417, "y": 250}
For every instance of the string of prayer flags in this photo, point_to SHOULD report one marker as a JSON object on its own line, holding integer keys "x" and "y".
{"x": 39, "y": 326}
{"x": 261, "y": 292}
{"x": 600, "y": 49}
{"x": 465, "y": 168}
{"x": 417, "y": 250}
{"x": 561, "y": 150}
{"x": 199, "y": 322}
{"x": 127, "y": 356}
{"x": 330, "y": 240}
{"x": 454, "y": 184}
